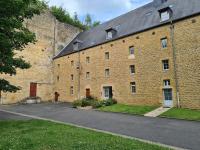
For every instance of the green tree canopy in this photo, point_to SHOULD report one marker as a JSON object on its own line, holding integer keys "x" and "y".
{"x": 14, "y": 36}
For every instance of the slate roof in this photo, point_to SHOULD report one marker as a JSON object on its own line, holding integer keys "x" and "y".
{"x": 135, "y": 21}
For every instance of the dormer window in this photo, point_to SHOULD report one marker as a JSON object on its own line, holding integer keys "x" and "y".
{"x": 110, "y": 33}
{"x": 76, "y": 45}
{"x": 165, "y": 14}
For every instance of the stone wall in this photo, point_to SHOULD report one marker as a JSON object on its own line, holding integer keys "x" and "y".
{"x": 51, "y": 36}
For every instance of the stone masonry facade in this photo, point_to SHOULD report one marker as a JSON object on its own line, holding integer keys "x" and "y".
{"x": 51, "y": 37}
{"x": 182, "y": 53}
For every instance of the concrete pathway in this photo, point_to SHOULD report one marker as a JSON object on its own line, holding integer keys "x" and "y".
{"x": 178, "y": 133}
{"x": 157, "y": 112}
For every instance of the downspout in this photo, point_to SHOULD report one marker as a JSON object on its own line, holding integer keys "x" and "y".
{"x": 174, "y": 62}
{"x": 79, "y": 74}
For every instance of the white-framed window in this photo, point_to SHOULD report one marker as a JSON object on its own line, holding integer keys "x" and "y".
{"x": 164, "y": 42}
{"x": 107, "y": 72}
{"x": 131, "y": 50}
{"x": 133, "y": 87}
{"x": 87, "y": 75}
{"x": 164, "y": 15}
{"x": 72, "y": 63}
{"x": 166, "y": 83}
{"x": 132, "y": 69}
{"x": 72, "y": 77}
{"x": 71, "y": 90}
{"x": 87, "y": 60}
{"x": 109, "y": 35}
{"x": 107, "y": 55}
{"x": 165, "y": 64}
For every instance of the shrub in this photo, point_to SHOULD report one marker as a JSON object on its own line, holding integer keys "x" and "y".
{"x": 97, "y": 104}
{"x": 77, "y": 103}
{"x": 109, "y": 102}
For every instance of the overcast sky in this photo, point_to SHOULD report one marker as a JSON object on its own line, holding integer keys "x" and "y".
{"x": 101, "y": 10}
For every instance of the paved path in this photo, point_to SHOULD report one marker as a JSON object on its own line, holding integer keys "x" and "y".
{"x": 184, "y": 134}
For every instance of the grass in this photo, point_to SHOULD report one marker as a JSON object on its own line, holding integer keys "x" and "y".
{"x": 129, "y": 109}
{"x": 186, "y": 114}
{"x": 44, "y": 135}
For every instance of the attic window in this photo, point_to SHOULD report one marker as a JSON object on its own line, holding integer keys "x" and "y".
{"x": 109, "y": 35}
{"x": 164, "y": 15}
{"x": 75, "y": 46}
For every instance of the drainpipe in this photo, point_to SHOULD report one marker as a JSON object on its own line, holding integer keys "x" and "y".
{"x": 174, "y": 62}
{"x": 79, "y": 74}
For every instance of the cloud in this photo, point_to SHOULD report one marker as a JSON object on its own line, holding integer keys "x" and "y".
{"x": 99, "y": 9}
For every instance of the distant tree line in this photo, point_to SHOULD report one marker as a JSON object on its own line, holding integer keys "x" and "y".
{"x": 63, "y": 16}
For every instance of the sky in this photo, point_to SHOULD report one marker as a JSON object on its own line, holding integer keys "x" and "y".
{"x": 100, "y": 10}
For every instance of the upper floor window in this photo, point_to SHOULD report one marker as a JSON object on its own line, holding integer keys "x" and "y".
{"x": 164, "y": 42}
{"x": 107, "y": 72}
{"x": 72, "y": 63}
{"x": 72, "y": 77}
{"x": 107, "y": 56}
{"x": 87, "y": 75}
{"x": 88, "y": 60}
{"x": 131, "y": 50}
{"x": 133, "y": 87}
{"x": 58, "y": 78}
{"x": 132, "y": 69}
{"x": 164, "y": 15}
{"x": 166, "y": 83}
{"x": 58, "y": 65}
{"x": 165, "y": 64}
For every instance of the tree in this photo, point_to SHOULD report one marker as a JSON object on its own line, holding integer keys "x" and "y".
{"x": 88, "y": 21}
{"x": 14, "y": 36}
{"x": 76, "y": 17}
{"x": 96, "y": 23}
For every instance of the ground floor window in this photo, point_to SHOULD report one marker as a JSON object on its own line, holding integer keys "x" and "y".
{"x": 71, "y": 90}
{"x": 133, "y": 87}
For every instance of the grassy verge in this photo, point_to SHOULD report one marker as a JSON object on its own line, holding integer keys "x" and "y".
{"x": 129, "y": 109}
{"x": 43, "y": 135}
{"x": 186, "y": 114}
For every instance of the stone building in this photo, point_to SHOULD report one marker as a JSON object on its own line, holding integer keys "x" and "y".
{"x": 149, "y": 56}
{"x": 38, "y": 81}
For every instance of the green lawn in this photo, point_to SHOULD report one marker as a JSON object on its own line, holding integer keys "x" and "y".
{"x": 186, "y": 114}
{"x": 43, "y": 135}
{"x": 130, "y": 109}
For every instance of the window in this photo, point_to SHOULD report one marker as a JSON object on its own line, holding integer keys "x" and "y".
{"x": 58, "y": 78}
{"x": 88, "y": 60}
{"x": 133, "y": 87}
{"x": 166, "y": 83}
{"x": 71, "y": 90}
{"x": 164, "y": 15}
{"x": 107, "y": 72}
{"x": 58, "y": 65}
{"x": 87, "y": 75}
{"x": 107, "y": 55}
{"x": 109, "y": 35}
{"x": 131, "y": 50}
{"x": 72, "y": 63}
{"x": 72, "y": 77}
{"x": 132, "y": 69}
{"x": 164, "y": 42}
{"x": 163, "y": 1}
{"x": 165, "y": 64}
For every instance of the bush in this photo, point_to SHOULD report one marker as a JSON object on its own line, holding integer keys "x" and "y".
{"x": 77, "y": 103}
{"x": 109, "y": 102}
{"x": 97, "y": 104}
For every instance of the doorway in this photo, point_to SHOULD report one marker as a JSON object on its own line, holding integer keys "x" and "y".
{"x": 168, "y": 100}
{"x": 88, "y": 93}
{"x": 107, "y": 92}
{"x": 33, "y": 89}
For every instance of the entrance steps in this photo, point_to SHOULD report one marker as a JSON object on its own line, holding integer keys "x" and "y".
{"x": 157, "y": 112}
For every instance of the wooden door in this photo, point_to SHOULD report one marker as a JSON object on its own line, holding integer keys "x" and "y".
{"x": 33, "y": 89}
{"x": 87, "y": 93}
